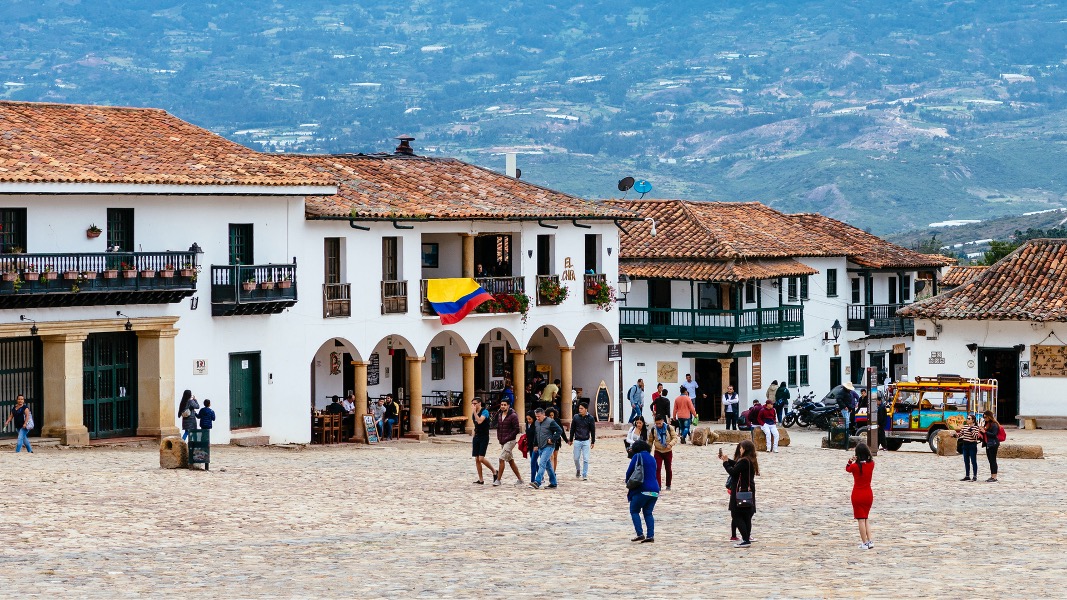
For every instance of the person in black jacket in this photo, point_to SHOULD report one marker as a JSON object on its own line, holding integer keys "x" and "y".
{"x": 743, "y": 472}
{"x": 582, "y": 437}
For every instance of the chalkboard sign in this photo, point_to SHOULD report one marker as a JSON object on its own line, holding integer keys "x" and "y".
{"x": 373, "y": 369}
{"x": 603, "y": 402}
{"x": 372, "y": 431}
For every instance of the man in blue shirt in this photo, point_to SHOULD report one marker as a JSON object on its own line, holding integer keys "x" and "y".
{"x": 636, "y": 396}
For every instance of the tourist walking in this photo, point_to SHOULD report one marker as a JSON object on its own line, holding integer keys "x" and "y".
{"x": 683, "y": 412}
{"x": 638, "y": 431}
{"x": 583, "y": 438}
{"x": 546, "y": 433}
{"x": 661, "y": 404}
{"x": 206, "y": 415}
{"x": 507, "y": 433}
{"x": 636, "y": 397}
{"x": 692, "y": 386}
{"x": 969, "y": 435}
{"x": 663, "y": 438}
{"x": 553, "y": 413}
{"x": 480, "y": 443}
{"x": 23, "y": 420}
{"x": 531, "y": 443}
{"x": 766, "y": 419}
{"x": 781, "y": 400}
{"x": 992, "y": 436}
{"x": 731, "y": 407}
{"x": 743, "y": 493}
{"x": 772, "y": 390}
{"x": 862, "y": 468}
{"x": 187, "y": 411}
{"x": 643, "y": 499}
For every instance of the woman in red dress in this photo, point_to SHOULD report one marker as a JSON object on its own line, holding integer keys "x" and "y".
{"x": 862, "y": 468}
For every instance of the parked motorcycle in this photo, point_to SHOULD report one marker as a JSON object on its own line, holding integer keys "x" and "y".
{"x": 802, "y": 403}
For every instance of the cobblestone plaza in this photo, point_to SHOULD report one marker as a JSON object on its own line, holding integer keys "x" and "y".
{"x": 403, "y": 519}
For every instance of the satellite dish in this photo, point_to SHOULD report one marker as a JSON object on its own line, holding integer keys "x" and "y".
{"x": 642, "y": 186}
{"x": 625, "y": 184}
{"x": 518, "y": 173}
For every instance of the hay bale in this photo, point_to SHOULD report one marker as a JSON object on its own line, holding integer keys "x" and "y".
{"x": 1020, "y": 451}
{"x": 730, "y": 436}
{"x": 946, "y": 444}
{"x": 702, "y": 436}
{"x": 173, "y": 453}
{"x": 760, "y": 440}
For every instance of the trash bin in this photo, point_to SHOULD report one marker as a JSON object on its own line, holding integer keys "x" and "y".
{"x": 837, "y": 435}
{"x": 199, "y": 447}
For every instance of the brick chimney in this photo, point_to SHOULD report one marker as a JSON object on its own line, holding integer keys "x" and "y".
{"x": 404, "y": 149}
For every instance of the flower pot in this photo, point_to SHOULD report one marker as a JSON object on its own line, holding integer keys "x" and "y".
{"x": 167, "y": 274}
{"x": 10, "y": 276}
{"x": 88, "y": 275}
{"x": 31, "y": 275}
{"x": 285, "y": 284}
{"x": 111, "y": 274}
{"x": 186, "y": 272}
{"x": 148, "y": 274}
{"x": 71, "y": 275}
{"x": 129, "y": 273}
{"x": 248, "y": 286}
{"x": 89, "y": 233}
{"x": 267, "y": 285}
{"x": 50, "y": 276}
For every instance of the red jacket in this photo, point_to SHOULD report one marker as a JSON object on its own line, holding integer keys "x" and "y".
{"x": 766, "y": 415}
{"x": 507, "y": 428}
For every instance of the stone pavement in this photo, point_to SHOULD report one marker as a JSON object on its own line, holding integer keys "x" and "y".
{"x": 403, "y": 519}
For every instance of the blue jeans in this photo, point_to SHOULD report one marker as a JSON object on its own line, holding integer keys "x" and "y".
{"x": 387, "y": 428}
{"x": 534, "y": 453}
{"x": 23, "y": 440}
{"x": 544, "y": 464}
{"x": 635, "y": 411}
{"x": 581, "y": 452}
{"x": 970, "y": 458}
{"x": 642, "y": 504}
{"x": 683, "y": 426}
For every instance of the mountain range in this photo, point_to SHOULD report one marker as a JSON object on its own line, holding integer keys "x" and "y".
{"x": 890, "y": 116}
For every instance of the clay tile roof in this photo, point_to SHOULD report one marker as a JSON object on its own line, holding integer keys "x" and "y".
{"x": 958, "y": 275}
{"x": 412, "y": 187}
{"x": 731, "y": 270}
{"x": 1030, "y": 284}
{"x": 728, "y": 230}
{"x": 70, "y": 143}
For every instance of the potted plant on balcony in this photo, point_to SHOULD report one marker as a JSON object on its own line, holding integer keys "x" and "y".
{"x": 148, "y": 273}
{"x": 167, "y": 272}
{"x": 249, "y": 284}
{"x": 552, "y": 292}
{"x": 507, "y": 303}
{"x": 285, "y": 282}
{"x": 128, "y": 271}
{"x": 93, "y": 231}
{"x": 88, "y": 275}
{"x": 601, "y": 294}
{"x": 30, "y": 273}
{"x": 71, "y": 274}
{"x": 49, "y": 273}
{"x": 187, "y": 270}
{"x": 11, "y": 273}
{"x": 267, "y": 284}
{"x": 110, "y": 273}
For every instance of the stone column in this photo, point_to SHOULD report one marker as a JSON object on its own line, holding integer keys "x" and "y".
{"x": 415, "y": 392}
{"x": 359, "y": 375}
{"x": 724, "y": 363}
{"x": 518, "y": 381}
{"x": 566, "y": 381}
{"x": 468, "y": 255}
{"x": 63, "y": 417}
{"x": 156, "y": 406}
{"x": 468, "y": 388}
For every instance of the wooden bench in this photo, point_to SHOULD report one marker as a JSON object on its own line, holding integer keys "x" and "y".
{"x": 1043, "y": 421}
{"x": 454, "y": 422}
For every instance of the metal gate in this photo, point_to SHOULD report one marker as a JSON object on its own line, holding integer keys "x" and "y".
{"x": 19, "y": 374}
{"x": 109, "y": 384}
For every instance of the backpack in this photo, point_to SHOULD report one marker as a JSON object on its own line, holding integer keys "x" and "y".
{"x": 1001, "y": 434}
{"x": 636, "y": 480}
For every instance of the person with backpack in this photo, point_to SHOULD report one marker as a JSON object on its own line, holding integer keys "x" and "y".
{"x": 781, "y": 400}
{"x": 187, "y": 410}
{"x": 743, "y": 493}
{"x": 861, "y": 466}
{"x": 642, "y": 491}
{"x": 23, "y": 420}
{"x": 662, "y": 439}
{"x": 993, "y": 435}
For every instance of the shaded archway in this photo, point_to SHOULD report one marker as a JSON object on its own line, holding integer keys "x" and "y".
{"x": 547, "y": 359}
{"x": 592, "y": 368}
{"x": 335, "y": 373}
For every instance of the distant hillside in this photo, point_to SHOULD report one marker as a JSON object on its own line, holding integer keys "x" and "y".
{"x": 888, "y": 115}
{"x": 973, "y": 238}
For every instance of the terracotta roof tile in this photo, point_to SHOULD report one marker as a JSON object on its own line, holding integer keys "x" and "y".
{"x": 406, "y": 187}
{"x": 956, "y": 276}
{"x": 727, "y": 230}
{"x": 1030, "y": 284}
{"x": 731, "y": 270}
{"x": 70, "y": 143}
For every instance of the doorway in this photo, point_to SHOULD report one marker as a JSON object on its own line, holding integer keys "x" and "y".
{"x": 835, "y": 371}
{"x": 245, "y": 393}
{"x": 1002, "y": 364}
{"x": 109, "y": 384}
{"x": 20, "y": 373}
{"x": 855, "y": 363}
{"x": 659, "y": 296}
{"x": 708, "y": 374}
{"x": 400, "y": 373}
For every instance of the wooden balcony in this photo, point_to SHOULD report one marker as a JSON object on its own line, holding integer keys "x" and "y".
{"x": 91, "y": 279}
{"x": 252, "y": 289}
{"x": 694, "y": 325}
{"x": 551, "y": 281}
{"x": 879, "y": 320}
{"x": 336, "y": 300}
{"x": 394, "y": 297}
{"x": 511, "y": 286}
{"x": 590, "y": 282}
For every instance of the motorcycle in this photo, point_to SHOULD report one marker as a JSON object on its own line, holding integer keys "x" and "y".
{"x": 799, "y": 415}
{"x": 823, "y": 418}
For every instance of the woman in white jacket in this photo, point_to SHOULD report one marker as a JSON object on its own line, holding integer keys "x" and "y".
{"x": 639, "y": 431}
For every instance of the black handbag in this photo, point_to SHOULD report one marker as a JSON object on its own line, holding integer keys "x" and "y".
{"x": 746, "y": 499}
{"x": 959, "y": 446}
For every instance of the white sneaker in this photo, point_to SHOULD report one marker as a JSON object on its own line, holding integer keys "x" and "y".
{"x": 870, "y": 544}
{"x": 520, "y": 483}
{"x": 496, "y": 482}
{"x": 864, "y": 546}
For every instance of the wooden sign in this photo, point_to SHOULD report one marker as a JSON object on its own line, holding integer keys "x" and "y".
{"x": 757, "y": 366}
{"x": 1048, "y": 361}
{"x": 666, "y": 371}
{"x": 900, "y": 348}
{"x": 372, "y": 431}
{"x": 603, "y": 402}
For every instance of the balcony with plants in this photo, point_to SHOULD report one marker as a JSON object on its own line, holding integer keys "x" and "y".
{"x": 550, "y": 292}
{"x": 598, "y": 291}
{"x": 252, "y": 289}
{"x": 96, "y": 278}
{"x": 509, "y": 296}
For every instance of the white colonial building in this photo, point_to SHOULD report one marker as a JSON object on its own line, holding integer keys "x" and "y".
{"x": 269, "y": 283}
{"x": 741, "y": 294}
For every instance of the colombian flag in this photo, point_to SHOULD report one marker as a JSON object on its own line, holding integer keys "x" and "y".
{"x": 452, "y": 299}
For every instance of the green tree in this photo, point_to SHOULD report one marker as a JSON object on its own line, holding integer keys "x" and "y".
{"x": 997, "y": 251}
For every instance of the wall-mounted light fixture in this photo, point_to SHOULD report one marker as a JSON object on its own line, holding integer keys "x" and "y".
{"x": 836, "y": 329}
{"x": 33, "y": 328}
{"x": 529, "y": 253}
{"x": 128, "y": 326}
{"x": 624, "y": 286}
{"x": 972, "y": 347}
{"x": 196, "y": 248}
{"x": 1019, "y": 347}
{"x": 609, "y": 250}
{"x": 653, "y": 222}
{"x": 194, "y": 302}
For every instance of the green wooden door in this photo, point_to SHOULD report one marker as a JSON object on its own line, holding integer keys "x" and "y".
{"x": 241, "y": 251}
{"x": 109, "y": 384}
{"x": 120, "y": 229}
{"x": 245, "y": 408}
{"x": 20, "y": 373}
